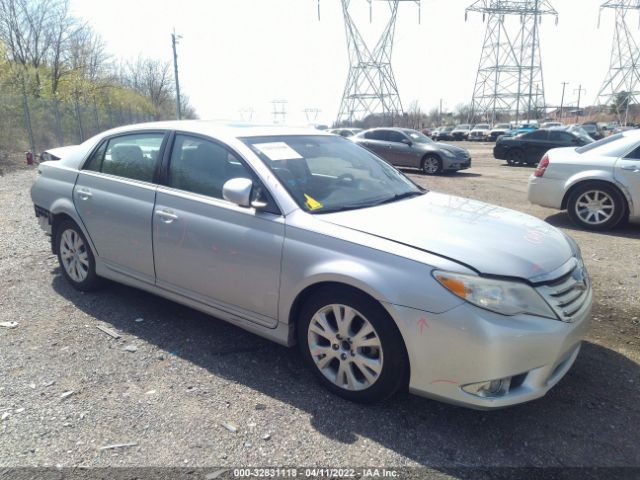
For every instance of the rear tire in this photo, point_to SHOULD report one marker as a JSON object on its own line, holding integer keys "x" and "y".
{"x": 596, "y": 206}
{"x": 352, "y": 345}
{"x": 515, "y": 157}
{"x": 75, "y": 257}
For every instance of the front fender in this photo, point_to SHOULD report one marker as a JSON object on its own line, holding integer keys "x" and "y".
{"x": 310, "y": 258}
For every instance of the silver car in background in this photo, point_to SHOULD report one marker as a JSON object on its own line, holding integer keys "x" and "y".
{"x": 598, "y": 184}
{"x": 305, "y": 237}
{"x": 404, "y": 147}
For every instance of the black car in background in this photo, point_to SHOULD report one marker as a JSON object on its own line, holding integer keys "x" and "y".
{"x": 593, "y": 130}
{"x": 443, "y": 133}
{"x": 529, "y": 148}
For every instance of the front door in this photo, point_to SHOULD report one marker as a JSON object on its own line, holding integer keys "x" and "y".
{"x": 114, "y": 196}
{"x": 209, "y": 249}
{"x": 627, "y": 172}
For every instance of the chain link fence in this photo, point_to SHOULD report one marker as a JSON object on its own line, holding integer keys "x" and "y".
{"x": 37, "y": 124}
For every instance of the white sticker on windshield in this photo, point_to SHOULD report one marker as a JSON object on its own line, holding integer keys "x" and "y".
{"x": 277, "y": 151}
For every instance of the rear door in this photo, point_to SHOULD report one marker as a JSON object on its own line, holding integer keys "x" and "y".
{"x": 535, "y": 145}
{"x": 211, "y": 250}
{"x": 114, "y": 196}
{"x": 376, "y": 141}
{"x": 627, "y": 172}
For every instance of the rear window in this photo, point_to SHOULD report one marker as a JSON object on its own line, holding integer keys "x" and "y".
{"x": 615, "y": 146}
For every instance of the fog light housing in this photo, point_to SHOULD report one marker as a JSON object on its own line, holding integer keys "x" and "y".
{"x": 489, "y": 388}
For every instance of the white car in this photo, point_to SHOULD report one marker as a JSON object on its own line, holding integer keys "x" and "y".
{"x": 598, "y": 184}
{"x": 480, "y": 132}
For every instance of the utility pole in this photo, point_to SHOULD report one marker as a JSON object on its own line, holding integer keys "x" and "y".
{"x": 579, "y": 90}
{"x": 440, "y": 117}
{"x": 174, "y": 40}
{"x": 564, "y": 85}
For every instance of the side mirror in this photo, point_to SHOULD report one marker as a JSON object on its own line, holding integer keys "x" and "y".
{"x": 238, "y": 191}
{"x": 406, "y": 141}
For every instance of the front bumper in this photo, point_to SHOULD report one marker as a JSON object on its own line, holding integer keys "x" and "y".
{"x": 469, "y": 345}
{"x": 455, "y": 164}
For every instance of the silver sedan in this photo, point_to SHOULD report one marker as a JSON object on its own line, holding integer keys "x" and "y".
{"x": 598, "y": 184}
{"x": 305, "y": 237}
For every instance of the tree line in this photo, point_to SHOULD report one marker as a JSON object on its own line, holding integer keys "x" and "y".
{"x": 48, "y": 53}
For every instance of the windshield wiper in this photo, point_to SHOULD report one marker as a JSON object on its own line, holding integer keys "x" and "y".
{"x": 396, "y": 197}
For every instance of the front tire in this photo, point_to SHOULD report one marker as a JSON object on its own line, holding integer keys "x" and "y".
{"x": 431, "y": 165}
{"x": 352, "y": 345}
{"x": 75, "y": 257}
{"x": 596, "y": 206}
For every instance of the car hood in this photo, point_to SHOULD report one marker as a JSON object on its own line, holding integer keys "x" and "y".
{"x": 491, "y": 240}
{"x": 450, "y": 148}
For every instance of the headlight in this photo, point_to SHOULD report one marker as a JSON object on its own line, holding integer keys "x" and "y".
{"x": 500, "y": 296}
{"x": 449, "y": 154}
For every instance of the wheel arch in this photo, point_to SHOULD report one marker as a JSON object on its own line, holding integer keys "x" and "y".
{"x": 61, "y": 211}
{"x": 596, "y": 181}
{"x": 305, "y": 294}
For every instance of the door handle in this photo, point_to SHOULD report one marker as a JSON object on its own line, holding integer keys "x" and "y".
{"x": 166, "y": 216}
{"x": 633, "y": 168}
{"x": 84, "y": 193}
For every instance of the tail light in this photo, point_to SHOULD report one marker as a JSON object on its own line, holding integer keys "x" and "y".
{"x": 542, "y": 166}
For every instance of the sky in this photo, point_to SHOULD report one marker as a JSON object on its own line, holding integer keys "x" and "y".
{"x": 239, "y": 55}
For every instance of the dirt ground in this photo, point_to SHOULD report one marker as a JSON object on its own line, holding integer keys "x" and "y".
{"x": 68, "y": 390}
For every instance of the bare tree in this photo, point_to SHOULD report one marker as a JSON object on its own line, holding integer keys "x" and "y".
{"x": 25, "y": 29}
{"x": 153, "y": 79}
{"x": 414, "y": 116}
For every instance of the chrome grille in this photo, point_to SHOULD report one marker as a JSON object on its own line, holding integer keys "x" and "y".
{"x": 567, "y": 294}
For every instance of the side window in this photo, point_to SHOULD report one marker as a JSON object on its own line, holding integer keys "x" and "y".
{"x": 394, "y": 136}
{"x": 634, "y": 155}
{"x": 375, "y": 135}
{"x": 559, "y": 136}
{"x": 130, "y": 156}
{"x": 95, "y": 162}
{"x": 536, "y": 135}
{"x": 202, "y": 166}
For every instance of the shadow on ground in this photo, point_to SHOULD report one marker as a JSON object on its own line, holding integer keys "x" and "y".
{"x": 628, "y": 230}
{"x": 590, "y": 418}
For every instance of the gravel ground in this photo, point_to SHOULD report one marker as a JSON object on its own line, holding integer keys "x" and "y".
{"x": 179, "y": 388}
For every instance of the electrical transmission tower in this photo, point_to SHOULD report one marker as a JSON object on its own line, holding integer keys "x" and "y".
{"x": 509, "y": 79}
{"x": 279, "y": 111}
{"x": 620, "y": 87}
{"x": 371, "y": 87}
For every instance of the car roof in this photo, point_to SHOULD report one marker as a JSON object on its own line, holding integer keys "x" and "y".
{"x": 218, "y": 128}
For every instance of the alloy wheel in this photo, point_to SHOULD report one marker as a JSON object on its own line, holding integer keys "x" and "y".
{"x": 345, "y": 347}
{"x": 431, "y": 165}
{"x": 595, "y": 207}
{"x": 74, "y": 255}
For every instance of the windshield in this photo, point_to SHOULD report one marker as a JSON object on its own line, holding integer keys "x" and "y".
{"x": 463, "y": 127}
{"x": 503, "y": 125}
{"x": 579, "y": 132}
{"x": 482, "y": 126}
{"x": 417, "y": 137}
{"x": 590, "y": 128}
{"x": 327, "y": 174}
